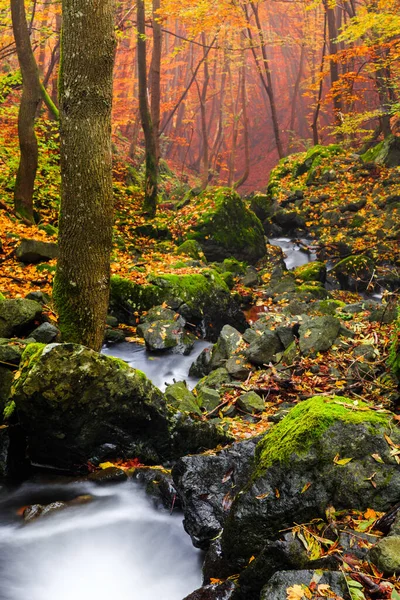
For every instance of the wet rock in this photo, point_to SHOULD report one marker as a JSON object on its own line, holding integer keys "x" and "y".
{"x": 207, "y": 484}
{"x": 89, "y": 400}
{"x": 238, "y": 368}
{"x": 264, "y": 348}
{"x": 181, "y": 398}
{"x": 11, "y": 351}
{"x": 163, "y": 313}
{"x": 383, "y": 314}
{"x": 35, "y": 251}
{"x": 38, "y": 296}
{"x": 6, "y": 379}
{"x": 228, "y": 342}
{"x": 159, "y": 485}
{"x": 251, "y": 403}
{"x": 166, "y": 335}
{"x": 4, "y": 451}
{"x": 202, "y": 365}
{"x": 108, "y": 475}
{"x": 220, "y": 591}
{"x": 300, "y": 450}
{"x": 289, "y": 221}
{"x": 214, "y": 380}
{"x": 250, "y": 279}
{"x": 33, "y": 512}
{"x": 313, "y": 271}
{"x": 45, "y": 333}
{"x": 354, "y": 206}
{"x": 276, "y": 588}
{"x": 114, "y": 336}
{"x": 208, "y": 399}
{"x": 190, "y": 435}
{"x": 354, "y": 272}
{"x": 18, "y": 316}
{"x": 318, "y": 334}
{"x": 386, "y": 555}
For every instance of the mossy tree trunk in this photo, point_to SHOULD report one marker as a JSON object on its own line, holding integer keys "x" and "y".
{"x": 151, "y": 177}
{"x": 30, "y": 100}
{"x": 81, "y": 288}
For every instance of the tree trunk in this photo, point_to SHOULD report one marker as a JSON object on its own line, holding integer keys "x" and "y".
{"x": 81, "y": 287}
{"x": 334, "y": 67}
{"x": 151, "y": 177}
{"x": 31, "y": 97}
{"x": 155, "y": 77}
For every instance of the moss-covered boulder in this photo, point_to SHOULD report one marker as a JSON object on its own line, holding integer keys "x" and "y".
{"x": 226, "y": 227}
{"x": 385, "y": 153}
{"x": 76, "y": 405}
{"x": 178, "y": 396}
{"x": 320, "y": 454}
{"x": 166, "y": 335}
{"x": 354, "y": 272}
{"x": 191, "y": 248}
{"x": 17, "y": 317}
{"x": 201, "y": 298}
{"x": 313, "y": 271}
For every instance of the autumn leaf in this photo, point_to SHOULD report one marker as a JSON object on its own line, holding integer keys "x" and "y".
{"x": 341, "y": 461}
{"x": 378, "y": 458}
{"x": 296, "y": 592}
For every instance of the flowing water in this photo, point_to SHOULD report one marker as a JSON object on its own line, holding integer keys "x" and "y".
{"x": 160, "y": 368}
{"x": 116, "y": 547}
{"x": 295, "y": 252}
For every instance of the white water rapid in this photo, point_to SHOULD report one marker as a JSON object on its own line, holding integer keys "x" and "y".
{"x": 117, "y": 547}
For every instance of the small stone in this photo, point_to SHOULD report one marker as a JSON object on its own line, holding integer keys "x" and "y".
{"x": 45, "y": 333}
{"x": 238, "y": 368}
{"x": 251, "y": 403}
{"x": 208, "y": 399}
{"x": 114, "y": 336}
{"x": 109, "y": 475}
{"x": 181, "y": 398}
{"x": 386, "y": 555}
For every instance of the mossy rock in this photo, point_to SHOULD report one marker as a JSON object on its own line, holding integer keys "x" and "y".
{"x": 325, "y": 307}
{"x": 178, "y": 396}
{"x": 128, "y": 297}
{"x": 262, "y": 206}
{"x": 282, "y": 169}
{"x": 320, "y": 454}
{"x": 191, "y": 248}
{"x": 231, "y": 265}
{"x": 313, "y": 158}
{"x": 313, "y": 271}
{"x": 226, "y": 227}
{"x": 354, "y": 272}
{"x": 76, "y": 405}
{"x": 385, "y": 153}
{"x": 18, "y": 316}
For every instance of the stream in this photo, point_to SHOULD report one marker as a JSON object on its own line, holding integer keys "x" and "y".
{"x": 117, "y": 546}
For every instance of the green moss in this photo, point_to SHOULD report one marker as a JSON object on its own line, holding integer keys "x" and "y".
{"x": 371, "y": 154}
{"x": 121, "y": 363}
{"x": 1, "y": 297}
{"x": 29, "y": 356}
{"x": 353, "y": 265}
{"x": 234, "y": 266}
{"x": 191, "y": 248}
{"x": 9, "y": 410}
{"x": 225, "y": 221}
{"x": 306, "y": 423}
{"x": 313, "y": 271}
{"x": 191, "y": 287}
{"x": 126, "y": 295}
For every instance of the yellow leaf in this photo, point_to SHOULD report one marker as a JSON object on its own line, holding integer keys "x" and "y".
{"x": 251, "y": 559}
{"x": 305, "y": 488}
{"x": 295, "y": 592}
{"x": 262, "y": 496}
{"x": 106, "y": 465}
{"x": 277, "y": 493}
{"x": 341, "y": 461}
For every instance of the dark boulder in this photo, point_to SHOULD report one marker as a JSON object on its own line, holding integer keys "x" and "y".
{"x": 18, "y": 316}
{"x": 34, "y": 251}
{"x": 276, "y": 588}
{"x": 207, "y": 484}
{"x": 326, "y": 443}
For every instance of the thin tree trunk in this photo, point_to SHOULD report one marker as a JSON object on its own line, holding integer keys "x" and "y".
{"x": 155, "y": 76}
{"x": 31, "y": 97}
{"x": 81, "y": 288}
{"x": 294, "y": 98}
{"x": 151, "y": 177}
{"x": 334, "y": 67}
{"x": 314, "y": 125}
{"x": 246, "y": 172}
